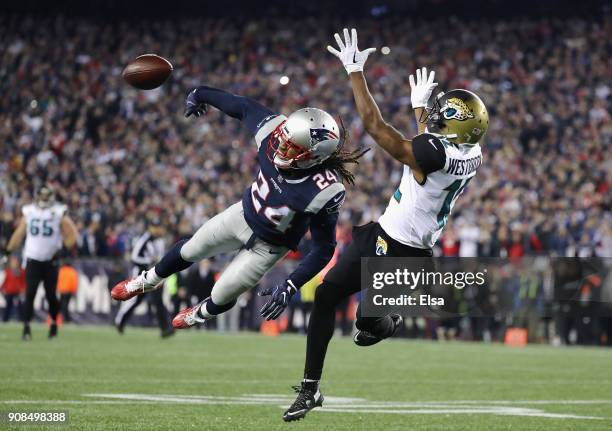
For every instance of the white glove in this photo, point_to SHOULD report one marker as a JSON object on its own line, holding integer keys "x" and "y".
{"x": 421, "y": 91}
{"x": 352, "y": 59}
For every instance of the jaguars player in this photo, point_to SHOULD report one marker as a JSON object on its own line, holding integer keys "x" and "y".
{"x": 46, "y": 227}
{"x": 438, "y": 163}
{"x": 299, "y": 187}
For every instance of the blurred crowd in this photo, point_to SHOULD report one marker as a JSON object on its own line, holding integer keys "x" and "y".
{"x": 118, "y": 155}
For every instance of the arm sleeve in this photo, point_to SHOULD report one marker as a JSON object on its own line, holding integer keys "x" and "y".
{"x": 323, "y": 231}
{"x": 242, "y": 108}
{"x": 429, "y": 152}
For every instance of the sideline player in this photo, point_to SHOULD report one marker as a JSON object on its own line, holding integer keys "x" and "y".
{"x": 45, "y": 226}
{"x": 438, "y": 164}
{"x": 147, "y": 248}
{"x": 299, "y": 187}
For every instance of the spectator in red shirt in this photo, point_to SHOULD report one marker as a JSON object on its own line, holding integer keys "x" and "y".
{"x": 13, "y": 286}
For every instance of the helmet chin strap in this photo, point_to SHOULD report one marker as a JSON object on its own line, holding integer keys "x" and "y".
{"x": 281, "y": 163}
{"x": 450, "y": 136}
{"x": 292, "y": 165}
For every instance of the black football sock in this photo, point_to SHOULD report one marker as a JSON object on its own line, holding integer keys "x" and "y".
{"x": 312, "y": 385}
{"x": 209, "y": 309}
{"x": 320, "y": 331}
{"x": 172, "y": 262}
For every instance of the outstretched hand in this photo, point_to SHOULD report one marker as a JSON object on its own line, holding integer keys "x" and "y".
{"x": 280, "y": 296}
{"x": 193, "y": 106}
{"x": 350, "y": 56}
{"x": 420, "y": 91}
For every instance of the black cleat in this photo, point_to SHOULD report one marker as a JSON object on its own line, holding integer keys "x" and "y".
{"x": 169, "y": 332}
{"x": 27, "y": 333}
{"x": 307, "y": 399}
{"x": 365, "y": 338}
{"x": 53, "y": 331}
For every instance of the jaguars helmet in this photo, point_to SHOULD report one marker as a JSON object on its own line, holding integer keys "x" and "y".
{"x": 305, "y": 139}
{"x": 460, "y": 115}
{"x": 45, "y": 196}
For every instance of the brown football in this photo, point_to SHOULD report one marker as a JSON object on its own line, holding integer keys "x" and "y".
{"x": 147, "y": 71}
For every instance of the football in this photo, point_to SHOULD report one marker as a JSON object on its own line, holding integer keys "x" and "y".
{"x": 147, "y": 71}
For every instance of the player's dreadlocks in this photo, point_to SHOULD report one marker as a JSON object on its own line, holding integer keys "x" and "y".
{"x": 341, "y": 157}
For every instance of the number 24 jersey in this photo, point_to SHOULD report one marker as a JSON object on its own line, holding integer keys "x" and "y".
{"x": 280, "y": 208}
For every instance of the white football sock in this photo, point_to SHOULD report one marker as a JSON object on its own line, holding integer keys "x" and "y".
{"x": 204, "y": 313}
{"x": 152, "y": 278}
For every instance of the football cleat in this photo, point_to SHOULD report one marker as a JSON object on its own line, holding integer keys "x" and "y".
{"x": 132, "y": 287}
{"x": 169, "y": 332}
{"x": 308, "y": 398}
{"x": 53, "y": 330}
{"x": 188, "y": 317}
{"x": 365, "y": 338}
{"x": 27, "y": 333}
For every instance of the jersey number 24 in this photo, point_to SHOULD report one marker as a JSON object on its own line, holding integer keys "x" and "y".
{"x": 279, "y": 216}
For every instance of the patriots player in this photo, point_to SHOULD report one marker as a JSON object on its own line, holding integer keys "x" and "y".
{"x": 438, "y": 163}
{"x": 299, "y": 187}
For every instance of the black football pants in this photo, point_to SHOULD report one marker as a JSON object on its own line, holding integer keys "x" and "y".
{"x": 35, "y": 272}
{"x": 342, "y": 281}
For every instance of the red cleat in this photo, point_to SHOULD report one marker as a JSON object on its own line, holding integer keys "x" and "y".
{"x": 188, "y": 317}
{"x": 131, "y": 287}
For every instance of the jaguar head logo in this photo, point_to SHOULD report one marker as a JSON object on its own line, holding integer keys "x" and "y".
{"x": 381, "y": 246}
{"x": 456, "y": 109}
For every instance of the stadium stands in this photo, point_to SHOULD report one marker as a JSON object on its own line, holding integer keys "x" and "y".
{"x": 118, "y": 155}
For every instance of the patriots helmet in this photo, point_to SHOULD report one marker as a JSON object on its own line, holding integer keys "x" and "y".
{"x": 305, "y": 139}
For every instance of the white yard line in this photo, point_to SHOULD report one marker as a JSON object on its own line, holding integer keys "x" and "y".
{"x": 342, "y": 404}
{"x": 498, "y": 411}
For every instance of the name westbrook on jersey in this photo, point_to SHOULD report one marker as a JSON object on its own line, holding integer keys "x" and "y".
{"x": 417, "y": 213}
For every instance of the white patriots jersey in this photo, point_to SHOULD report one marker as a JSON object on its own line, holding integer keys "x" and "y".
{"x": 417, "y": 213}
{"x": 43, "y": 231}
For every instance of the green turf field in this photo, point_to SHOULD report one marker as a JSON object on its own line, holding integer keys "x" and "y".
{"x": 208, "y": 381}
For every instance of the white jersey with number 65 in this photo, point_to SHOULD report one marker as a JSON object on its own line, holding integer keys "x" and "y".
{"x": 43, "y": 231}
{"x": 417, "y": 213}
